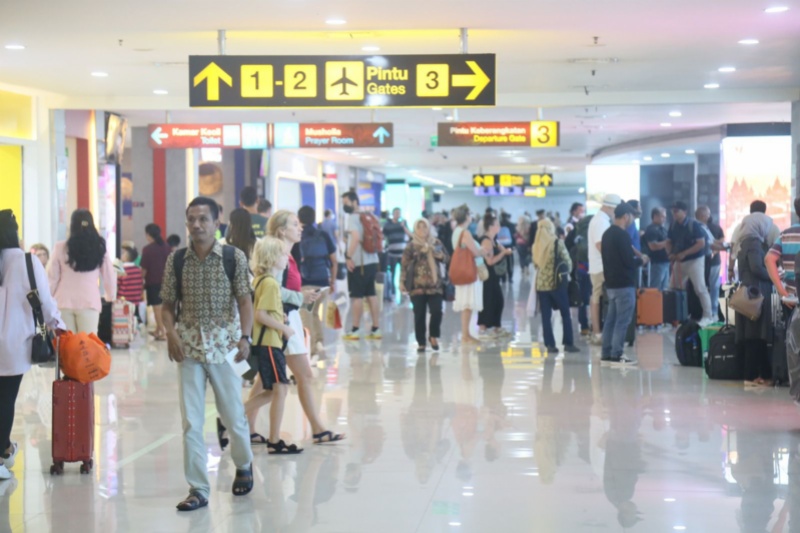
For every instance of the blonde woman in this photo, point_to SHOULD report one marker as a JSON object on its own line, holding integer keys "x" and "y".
{"x": 548, "y": 252}
{"x": 285, "y": 226}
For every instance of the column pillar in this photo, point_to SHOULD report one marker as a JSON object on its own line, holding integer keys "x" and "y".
{"x": 795, "y": 148}
{"x": 142, "y": 169}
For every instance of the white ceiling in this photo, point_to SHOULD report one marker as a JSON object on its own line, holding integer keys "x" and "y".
{"x": 666, "y": 52}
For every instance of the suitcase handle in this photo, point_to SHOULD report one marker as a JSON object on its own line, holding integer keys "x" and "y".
{"x": 58, "y": 353}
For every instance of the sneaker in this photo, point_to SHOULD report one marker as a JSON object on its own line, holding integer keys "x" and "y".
{"x": 596, "y": 339}
{"x": 605, "y": 361}
{"x": 586, "y": 332}
{"x": 9, "y": 461}
{"x": 571, "y": 348}
{"x": 353, "y": 335}
{"x": 623, "y": 362}
{"x": 553, "y": 349}
{"x": 707, "y": 321}
{"x": 375, "y": 334}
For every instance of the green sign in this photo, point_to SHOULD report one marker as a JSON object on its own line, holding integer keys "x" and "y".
{"x": 342, "y": 81}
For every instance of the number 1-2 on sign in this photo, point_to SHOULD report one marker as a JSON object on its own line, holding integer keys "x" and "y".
{"x": 300, "y": 81}
{"x": 544, "y": 134}
{"x": 257, "y": 81}
{"x": 433, "y": 81}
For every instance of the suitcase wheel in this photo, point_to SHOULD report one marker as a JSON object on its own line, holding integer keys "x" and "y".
{"x": 86, "y": 467}
{"x": 57, "y": 469}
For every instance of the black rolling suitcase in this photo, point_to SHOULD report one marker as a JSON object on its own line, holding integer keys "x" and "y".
{"x": 777, "y": 348}
{"x": 105, "y": 329}
{"x": 725, "y": 359}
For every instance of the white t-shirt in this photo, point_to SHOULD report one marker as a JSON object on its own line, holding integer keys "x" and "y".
{"x": 599, "y": 224}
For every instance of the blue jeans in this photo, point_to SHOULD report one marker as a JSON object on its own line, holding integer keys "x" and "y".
{"x": 557, "y": 299}
{"x": 713, "y": 290}
{"x": 659, "y": 276}
{"x": 585, "y": 284}
{"x": 621, "y": 303}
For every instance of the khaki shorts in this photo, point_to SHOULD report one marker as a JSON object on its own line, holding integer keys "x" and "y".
{"x": 597, "y": 287}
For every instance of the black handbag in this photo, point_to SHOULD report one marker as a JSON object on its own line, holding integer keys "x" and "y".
{"x": 574, "y": 290}
{"x": 42, "y": 348}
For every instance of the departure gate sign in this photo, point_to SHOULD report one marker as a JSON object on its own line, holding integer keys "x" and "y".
{"x": 464, "y": 80}
{"x": 538, "y": 134}
{"x": 530, "y": 185}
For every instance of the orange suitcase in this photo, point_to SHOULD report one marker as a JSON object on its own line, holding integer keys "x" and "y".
{"x": 649, "y": 307}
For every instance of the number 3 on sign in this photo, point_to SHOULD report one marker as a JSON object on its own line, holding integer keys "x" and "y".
{"x": 545, "y": 134}
{"x": 433, "y": 80}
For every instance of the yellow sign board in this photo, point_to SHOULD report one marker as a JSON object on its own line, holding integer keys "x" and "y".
{"x": 545, "y": 134}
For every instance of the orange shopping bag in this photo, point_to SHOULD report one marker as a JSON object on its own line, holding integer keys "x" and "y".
{"x": 83, "y": 357}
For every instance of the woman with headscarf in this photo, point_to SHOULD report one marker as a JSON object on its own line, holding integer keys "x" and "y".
{"x": 420, "y": 277}
{"x": 548, "y": 252}
{"x": 17, "y": 327}
{"x": 752, "y": 335}
{"x": 75, "y": 271}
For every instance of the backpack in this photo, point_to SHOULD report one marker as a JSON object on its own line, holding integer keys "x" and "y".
{"x": 315, "y": 261}
{"x": 581, "y": 239}
{"x": 228, "y": 263}
{"x": 372, "y": 236}
{"x": 687, "y": 344}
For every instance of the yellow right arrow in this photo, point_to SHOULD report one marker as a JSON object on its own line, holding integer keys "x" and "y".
{"x": 213, "y": 75}
{"x": 478, "y": 80}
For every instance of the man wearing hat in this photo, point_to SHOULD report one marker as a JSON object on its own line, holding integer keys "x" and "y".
{"x": 686, "y": 244}
{"x": 620, "y": 264}
{"x": 597, "y": 227}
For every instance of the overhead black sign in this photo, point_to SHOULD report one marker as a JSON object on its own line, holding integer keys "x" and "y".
{"x": 342, "y": 81}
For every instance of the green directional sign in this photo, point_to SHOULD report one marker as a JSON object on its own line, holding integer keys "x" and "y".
{"x": 342, "y": 81}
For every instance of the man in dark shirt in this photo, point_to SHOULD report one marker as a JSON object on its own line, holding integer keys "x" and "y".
{"x": 396, "y": 234}
{"x": 620, "y": 265}
{"x": 248, "y": 200}
{"x": 654, "y": 244}
{"x": 686, "y": 245}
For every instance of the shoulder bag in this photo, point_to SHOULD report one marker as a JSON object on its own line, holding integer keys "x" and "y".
{"x": 747, "y": 301}
{"x": 463, "y": 270}
{"x": 42, "y": 349}
{"x": 561, "y": 269}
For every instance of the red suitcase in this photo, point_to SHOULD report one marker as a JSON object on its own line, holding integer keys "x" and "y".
{"x": 649, "y": 307}
{"x": 73, "y": 423}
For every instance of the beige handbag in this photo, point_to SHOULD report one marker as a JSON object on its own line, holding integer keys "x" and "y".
{"x": 748, "y": 301}
{"x": 483, "y": 272}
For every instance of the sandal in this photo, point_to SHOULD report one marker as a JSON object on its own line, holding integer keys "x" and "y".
{"x": 327, "y": 437}
{"x": 223, "y": 442}
{"x": 243, "y": 483}
{"x": 192, "y": 502}
{"x": 281, "y": 448}
{"x": 256, "y": 438}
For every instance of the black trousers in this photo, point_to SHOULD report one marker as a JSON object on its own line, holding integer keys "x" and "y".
{"x": 756, "y": 360}
{"x": 9, "y": 388}
{"x": 422, "y": 303}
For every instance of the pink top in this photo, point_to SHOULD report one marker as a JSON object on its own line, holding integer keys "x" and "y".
{"x": 80, "y": 290}
{"x": 293, "y": 280}
{"x": 16, "y": 315}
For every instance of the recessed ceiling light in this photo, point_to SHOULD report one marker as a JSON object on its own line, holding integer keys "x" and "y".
{"x": 748, "y": 41}
{"x": 776, "y": 9}
{"x": 160, "y": 92}
{"x": 15, "y": 47}
{"x": 665, "y": 155}
{"x": 335, "y": 22}
{"x": 679, "y": 528}
{"x": 669, "y": 500}
{"x": 371, "y": 48}
{"x": 647, "y": 158}
{"x": 727, "y": 69}
{"x": 519, "y": 160}
{"x": 690, "y": 151}
{"x": 581, "y": 190}
{"x": 675, "y": 114}
{"x": 98, "y": 74}
{"x": 711, "y": 86}
{"x": 449, "y": 117}
{"x": 436, "y": 109}
{"x": 666, "y": 124}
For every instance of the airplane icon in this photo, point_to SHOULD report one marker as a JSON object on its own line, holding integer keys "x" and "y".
{"x": 344, "y": 81}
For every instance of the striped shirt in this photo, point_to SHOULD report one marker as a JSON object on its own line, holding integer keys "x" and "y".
{"x": 787, "y": 246}
{"x": 131, "y": 285}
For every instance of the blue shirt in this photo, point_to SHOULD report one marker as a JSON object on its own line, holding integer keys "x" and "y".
{"x": 633, "y": 231}
{"x": 684, "y": 236}
{"x": 787, "y": 246}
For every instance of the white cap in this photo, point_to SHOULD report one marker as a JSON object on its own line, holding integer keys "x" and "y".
{"x": 611, "y": 200}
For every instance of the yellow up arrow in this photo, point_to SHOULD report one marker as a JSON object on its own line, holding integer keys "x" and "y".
{"x": 213, "y": 75}
{"x": 478, "y": 80}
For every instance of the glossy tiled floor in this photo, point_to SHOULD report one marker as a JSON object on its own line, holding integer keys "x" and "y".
{"x": 500, "y": 439}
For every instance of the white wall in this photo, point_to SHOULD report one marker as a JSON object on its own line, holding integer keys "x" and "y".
{"x": 515, "y": 205}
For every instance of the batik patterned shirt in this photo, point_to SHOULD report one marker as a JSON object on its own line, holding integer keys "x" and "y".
{"x": 209, "y": 324}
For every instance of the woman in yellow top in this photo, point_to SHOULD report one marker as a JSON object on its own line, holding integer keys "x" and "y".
{"x": 269, "y": 331}
{"x": 552, "y": 261}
